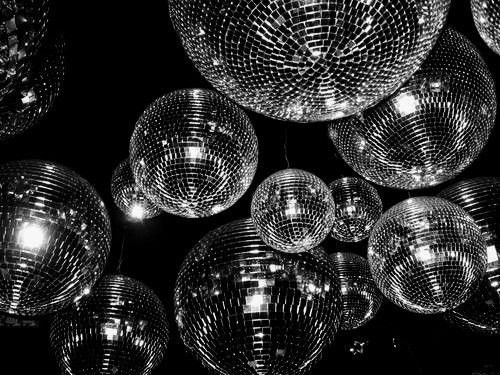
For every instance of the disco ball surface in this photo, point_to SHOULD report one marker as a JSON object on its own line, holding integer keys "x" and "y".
{"x": 307, "y": 61}
{"x": 128, "y": 197}
{"x": 486, "y": 14}
{"x": 30, "y": 99}
{"x": 431, "y": 129}
{"x": 193, "y": 153}
{"x": 55, "y": 237}
{"x": 293, "y": 210}
{"x": 427, "y": 255}
{"x": 361, "y": 298}
{"x": 358, "y": 206}
{"x": 119, "y": 329}
{"x": 244, "y": 308}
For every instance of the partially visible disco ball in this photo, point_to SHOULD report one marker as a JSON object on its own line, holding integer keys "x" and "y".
{"x": 432, "y": 128}
{"x": 128, "y": 197}
{"x": 293, "y": 210}
{"x": 194, "y": 153}
{"x": 312, "y": 60}
{"x": 244, "y": 308}
{"x": 31, "y": 98}
{"x": 55, "y": 237}
{"x": 120, "y": 328}
{"x": 486, "y": 15}
{"x": 427, "y": 255}
{"x": 358, "y": 206}
{"x": 361, "y": 298}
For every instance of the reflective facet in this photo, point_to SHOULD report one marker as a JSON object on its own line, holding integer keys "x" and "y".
{"x": 427, "y": 255}
{"x": 486, "y": 15}
{"x": 193, "y": 153}
{"x": 244, "y": 308}
{"x": 432, "y": 128}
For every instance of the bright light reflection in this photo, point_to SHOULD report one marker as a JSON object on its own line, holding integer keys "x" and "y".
{"x": 137, "y": 212}
{"x": 256, "y": 300}
{"x": 406, "y": 104}
{"x": 32, "y": 236}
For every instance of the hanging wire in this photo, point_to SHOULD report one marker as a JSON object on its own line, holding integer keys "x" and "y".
{"x": 122, "y": 250}
{"x": 285, "y": 148}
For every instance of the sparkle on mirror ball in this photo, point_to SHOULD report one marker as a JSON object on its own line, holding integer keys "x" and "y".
{"x": 293, "y": 210}
{"x": 243, "y": 308}
{"x": 427, "y": 255}
{"x": 119, "y": 329}
{"x": 193, "y": 153}
{"x": 432, "y": 128}
{"x": 486, "y": 14}
{"x": 55, "y": 237}
{"x": 307, "y": 61}
{"x": 358, "y": 206}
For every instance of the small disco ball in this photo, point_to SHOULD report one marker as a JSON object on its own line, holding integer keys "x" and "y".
{"x": 244, "y": 308}
{"x": 120, "y": 328}
{"x": 193, "y": 153}
{"x": 128, "y": 197}
{"x": 486, "y": 14}
{"x": 55, "y": 237}
{"x": 361, "y": 298}
{"x": 293, "y": 210}
{"x": 30, "y": 99}
{"x": 312, "y": 60}
{"x": 431, "y": 129}
{"x": 427, "y": 255}
{"x": 357, "y": 208}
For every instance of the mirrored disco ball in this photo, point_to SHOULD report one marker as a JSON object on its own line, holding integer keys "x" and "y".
{"x": 55, "y": 237}
{"x": 193, "y": 153}
{"x": 119, "y": 329}
{"x": 432, "y": 128}
{"x": 310, "y": 60}
{"x": 128, "y": 197}
{"x": 31, "y": 98}
{"x": 293, "y": 210}
{"x": 358, "y": 206}
{"x": 243, "y": 308}
{"x": 486, "y": 15}
{"x": 427, "y": 255}
{"x": 361, "y": 298}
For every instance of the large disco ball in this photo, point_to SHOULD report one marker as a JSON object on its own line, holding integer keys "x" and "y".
{"x": 31, "y": 98}
{"x": 243, "y": 308}
{"x": 432, "y": 128}
{"x": 358, "y": 206}
{"x": 361, "y": 298}
{"x": 310, "y": 60}
{"x": 119, "y": 329}
{"x": 55, "y": 237}
{"x": 293, "y": 210}
{"x": 486, "y": 14}
{"x": 127, "y": 195}
{"x": 193, "y": 153}
{"x": 427, "y": 255}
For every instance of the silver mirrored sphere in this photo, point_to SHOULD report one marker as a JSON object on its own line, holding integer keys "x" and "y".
{"x": 307, "y": 61}
{"x": 120, "y": 328}
{"x": 358, "y": 206}
{"x": 486, "y": 14}
{"x": 127, "y": 195}
{"x": 427, "y": 255}
{"x": 193, "y": 153}
{"x": 293, "y": 210}
{"x": 361, "y": 298}
{"x": 55, "y": 237}
{"x": 244, "y": 308}
{"x": 432, "y": 128}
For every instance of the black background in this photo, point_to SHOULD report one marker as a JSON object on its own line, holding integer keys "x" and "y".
{"x": 123, "y": 55}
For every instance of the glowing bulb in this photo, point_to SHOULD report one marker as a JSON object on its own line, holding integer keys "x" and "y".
{"x": 137, "y": 212}
{"x": 32, "y": 236}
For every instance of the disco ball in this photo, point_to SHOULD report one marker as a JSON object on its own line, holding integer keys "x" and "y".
{"x": 120, "y": 328}
{"x": 360, "y": 296}
{"x": 357, "y": 208}
{"x": 29, "y": 100}
{"x": 431, "y": 129}
{"x": 310, "y": 60}
{"x": 244, "y": 308}
{"x": 128, "y": 197}
{"x": 55, "y": 237}
{"x": 293, "y": 210}
{"x": 427, "y": 255}
{"x": 193, "y": 153}
{"x": 486, "y": 14}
